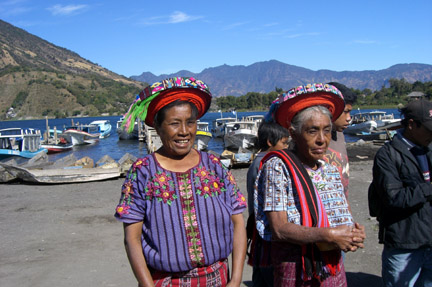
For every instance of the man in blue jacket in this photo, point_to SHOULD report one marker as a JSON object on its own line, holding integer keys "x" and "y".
{"x": 401, "y": 178}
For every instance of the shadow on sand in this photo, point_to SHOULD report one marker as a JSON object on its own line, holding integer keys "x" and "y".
{"x": 359, "y": 279}
{"x": 355, "y": 279}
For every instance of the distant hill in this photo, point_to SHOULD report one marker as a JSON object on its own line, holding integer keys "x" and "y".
{"x": 263, "y": 77}
{"x": 38, "y": 78}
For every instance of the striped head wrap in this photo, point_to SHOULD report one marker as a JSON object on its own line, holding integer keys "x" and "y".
{"x": 289, "y": 103}
{"x": 154, "y": 97}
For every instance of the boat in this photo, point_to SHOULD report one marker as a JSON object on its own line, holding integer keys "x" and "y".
{"x": 56, "y": 148}
{"x": 218, "y": 129}
{"x": 153, "y": 141}
{"x": 81, "y": 134}
{"x": 364, "y": 127}
{"x": 17, "y": 142}
{"x": 240, "y": 134}
{"x": 366, "y": 122}
{"x": 104, "y": 128}
{"x": 203, "y": 136}
{"x": 124, "y": 135}
{"x": 62, "y": 175}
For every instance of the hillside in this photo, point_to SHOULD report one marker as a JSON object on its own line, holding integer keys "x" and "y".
{"x": 38, "y": 78}
{"x": 263, "y": 77}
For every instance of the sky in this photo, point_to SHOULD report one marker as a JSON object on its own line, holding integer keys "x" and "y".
{"x": 130, "y": 37}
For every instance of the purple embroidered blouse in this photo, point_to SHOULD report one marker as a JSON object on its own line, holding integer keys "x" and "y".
{"x": 186, "y": 215}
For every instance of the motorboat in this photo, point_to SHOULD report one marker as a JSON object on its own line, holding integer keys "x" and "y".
{"x": 240, "y": 134}
{"x": 81, "y": 134}
{"x": 366, "y": 122}
{"x": 203, "y": 136}
{"x": 124, "y": 135}
{"x": 18, "y": 142}
{"x": 218, "y": 129}
{"x": 104, "y": 128}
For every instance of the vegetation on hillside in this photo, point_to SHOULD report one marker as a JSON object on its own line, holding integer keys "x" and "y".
{"x": 391, "y": 96}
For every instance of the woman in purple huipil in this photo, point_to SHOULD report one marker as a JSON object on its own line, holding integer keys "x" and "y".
{"x": 181, "y": 208}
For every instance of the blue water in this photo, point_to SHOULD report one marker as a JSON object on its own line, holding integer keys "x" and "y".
{"x": 116, "y": 148}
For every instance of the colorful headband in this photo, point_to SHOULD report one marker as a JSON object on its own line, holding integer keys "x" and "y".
{"x": 288, "y": 104}
{"x": 159, "y": 94}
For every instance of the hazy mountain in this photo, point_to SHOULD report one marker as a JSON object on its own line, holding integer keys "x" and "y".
{"x": 265, "y": 76}
{"x": 38, "y": 78}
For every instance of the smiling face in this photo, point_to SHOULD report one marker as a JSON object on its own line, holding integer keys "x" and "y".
{"x": 313, "y": 139}
{"x": 344, "y": 119}
{"x": 177, "y": 131}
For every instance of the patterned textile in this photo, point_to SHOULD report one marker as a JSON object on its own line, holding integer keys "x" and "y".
{"x": 271, "y": 196}
{"x": 289, "y": 103}
{"x": 186, "y": 215}
{"x": 215, "y": 275}
{"x": 279, "y": 195}
{"x": 327, "y": 182}
{"x": 288, "y": 265}
{"x": 337, "y": 156}
{"x": 156, "y": 96}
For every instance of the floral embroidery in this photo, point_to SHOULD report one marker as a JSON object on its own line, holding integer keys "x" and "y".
{"x": 161, "y": 187}
{"x": 126, "y": 199}
{"x": 214, "y": 159}
{"x": 122, "y": 209}
{"x": 241, "y": 199}
{"x": 140, "y": 163}
{"x": 231, "y": 178}
{"x": 207, "y": 183}
{"x": 190, "y": 221}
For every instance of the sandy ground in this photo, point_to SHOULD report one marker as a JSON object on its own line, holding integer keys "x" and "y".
{"x": 66, "y": 235}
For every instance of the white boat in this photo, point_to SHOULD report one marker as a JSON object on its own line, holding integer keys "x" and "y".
{"x": 17, "y": 142}
{"x": 364, "y": 127}
{"x": 366, "y": 122}
{"x": 152, "y": 139}
{"x": 240, "y": 134}
{"x": 218, "y": 129}
{"x": 104, "y": 128}
{"x": 124, "y": 135}
{"x": 81, "y": 134}
{"x": 203, "y": 136}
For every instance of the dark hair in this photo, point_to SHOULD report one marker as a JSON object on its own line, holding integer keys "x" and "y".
{"x": 349, "y": 96}
{"x": 272, "y": 132}
{"x": 160, "y": 115}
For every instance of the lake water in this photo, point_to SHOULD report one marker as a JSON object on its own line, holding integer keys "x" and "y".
{"x": 116, "y": 148}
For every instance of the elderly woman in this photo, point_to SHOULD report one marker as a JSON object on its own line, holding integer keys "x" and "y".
{"x": 299, "y": 201}
{"x": 181, "y": 208}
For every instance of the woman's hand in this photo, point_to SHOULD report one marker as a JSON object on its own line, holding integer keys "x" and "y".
{"x": 359, "y": 235}
{"x": 342, "y": 236}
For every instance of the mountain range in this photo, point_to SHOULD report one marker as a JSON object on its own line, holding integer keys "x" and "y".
{"x": 38, "y": 78}
{"x": 264, "y": 77}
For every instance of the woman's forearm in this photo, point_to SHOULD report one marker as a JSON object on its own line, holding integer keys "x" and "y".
{"x": 133, "y": 246}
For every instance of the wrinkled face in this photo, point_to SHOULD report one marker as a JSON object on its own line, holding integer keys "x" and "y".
{"x": 343, "y": 121}
{"x": 281, "y": 144}
{"x": 313, "y": 140}
{"x": 178, "y": 130}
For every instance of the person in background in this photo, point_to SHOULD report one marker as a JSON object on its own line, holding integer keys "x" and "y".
{"x": 337, "y": 153}
{"x": 271, "y": 136}
{"x": 300, "y": 205}
{"x": 181, "y": 208}
{"x": 401, "y": 180}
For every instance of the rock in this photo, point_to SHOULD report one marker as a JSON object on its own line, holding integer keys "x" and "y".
{"x": 125, "y": 162}
{"x": 106, "y": 160}
{"x": 65, "y": 161}
{"x": 85, "y": 162}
